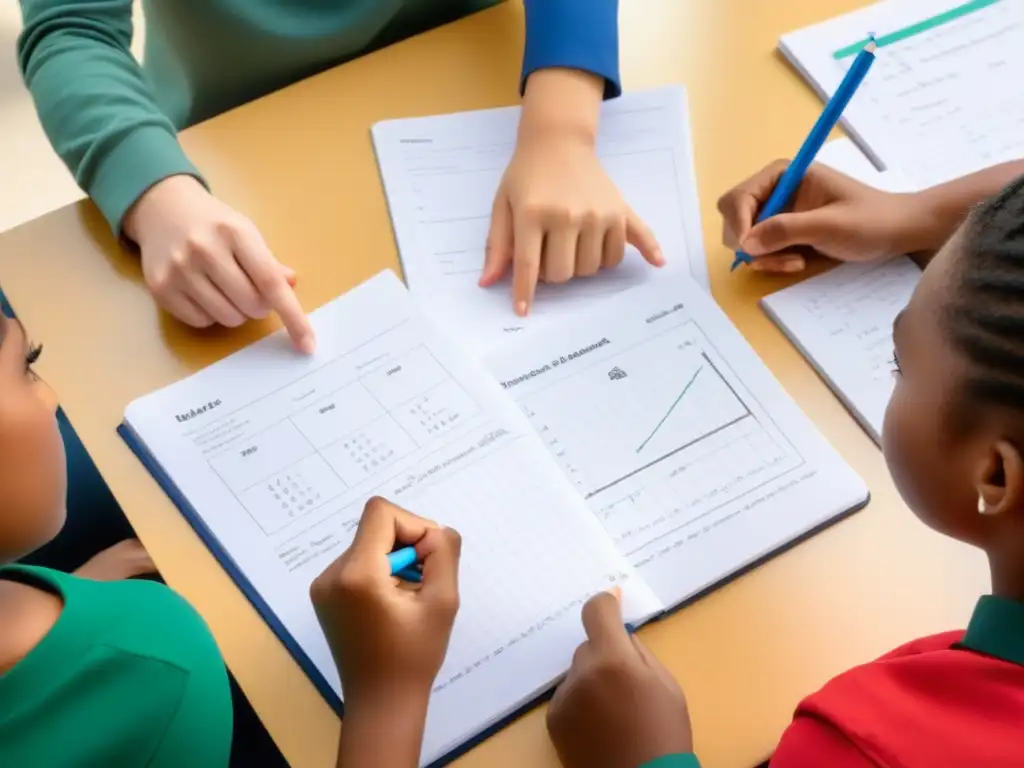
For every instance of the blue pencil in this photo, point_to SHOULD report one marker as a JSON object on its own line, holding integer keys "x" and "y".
{"x": 403, "y": 564}
{"x": 794, "y": 174}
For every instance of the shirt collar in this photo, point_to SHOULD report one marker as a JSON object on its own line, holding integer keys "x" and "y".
{"x": 997, "y": 629}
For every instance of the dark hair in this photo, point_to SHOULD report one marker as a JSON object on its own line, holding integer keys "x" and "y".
{"x": 985, "y": 318}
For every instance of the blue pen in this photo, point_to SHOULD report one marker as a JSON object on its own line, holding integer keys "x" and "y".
{"x": 403, "y": 564}
{"x": 794, "y": 174}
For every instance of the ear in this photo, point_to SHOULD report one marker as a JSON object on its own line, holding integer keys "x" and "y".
{"x": 1000, "y": 480}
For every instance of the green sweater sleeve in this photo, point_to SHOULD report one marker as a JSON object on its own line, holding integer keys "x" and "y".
{"x": 94, "y": 102}
{"x": 674, "y": 761}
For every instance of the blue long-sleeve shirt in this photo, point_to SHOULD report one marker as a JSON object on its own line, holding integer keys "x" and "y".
{"x": 113, "y": 121}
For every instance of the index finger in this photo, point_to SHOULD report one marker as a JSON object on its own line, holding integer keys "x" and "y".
{"x": 739, "y": 206}
{"x": 273, "y": 285}
{"x": 602, "y": 621}
{"x": 384, "y": 525}
{"x": 528, "y": 239}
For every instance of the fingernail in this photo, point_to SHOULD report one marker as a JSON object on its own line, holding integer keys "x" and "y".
{"x": 659, "y": 258}
{"x": 757, "y": 266}
{"x": 307, "y": 344}
{"x": 752, "y": 245}
{"x": 521, "y": 308}
{"x": 616, "y": 592}
{"x": 792, "y": 265}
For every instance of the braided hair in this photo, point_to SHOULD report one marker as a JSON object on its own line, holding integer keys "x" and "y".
{"x": 985, "y": 319}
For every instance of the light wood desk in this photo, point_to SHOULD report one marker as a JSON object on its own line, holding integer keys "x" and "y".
{"x": 300, "y": 164}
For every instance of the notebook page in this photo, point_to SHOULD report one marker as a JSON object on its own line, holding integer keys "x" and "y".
{"x": 684, "y": 445}
{"x": 844, "y": 156}
{"x": 278, "y": 454}
{"x": 842, "y": 320}
{"x": 945, "y": 96}
{"x": 441, "y": 174}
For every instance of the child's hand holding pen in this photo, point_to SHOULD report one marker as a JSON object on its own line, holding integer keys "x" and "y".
{"x": 830, "y": 213}
{"x": 389, "y": 636}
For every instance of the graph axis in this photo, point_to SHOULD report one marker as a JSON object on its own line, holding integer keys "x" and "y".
{"x": 671, "y": 408}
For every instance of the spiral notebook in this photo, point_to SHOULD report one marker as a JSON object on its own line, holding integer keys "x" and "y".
{"x": 707, "y": 469}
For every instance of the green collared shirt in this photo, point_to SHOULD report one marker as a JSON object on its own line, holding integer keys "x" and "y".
{"x": 997, "y": 629}
{"x": 673, "y": 761}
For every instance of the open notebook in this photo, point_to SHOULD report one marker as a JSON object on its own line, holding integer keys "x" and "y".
{"x": 946, "y": 94}
{"x": 441, "y": 174}
{"x": 646, "y": 445}
{"x": 841, "y": 320}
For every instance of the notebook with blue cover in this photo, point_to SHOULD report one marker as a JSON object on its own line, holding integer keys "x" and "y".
{"x": 271, "y": 456}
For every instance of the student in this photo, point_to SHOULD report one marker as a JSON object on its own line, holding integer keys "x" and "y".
{"x": 953, "y": 439}
{"x": 113, "y": 122}
{"x": 96, "y": 671}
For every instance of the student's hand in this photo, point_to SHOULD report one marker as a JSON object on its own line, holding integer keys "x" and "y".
{"x": 557, "y": 214}
{"x": 205, "y": 263}
{"x": 830, "y": 212}
{"x": 388, "y": 637}
{"x": 618, "y": 707}
{"x": 125, "y": 560}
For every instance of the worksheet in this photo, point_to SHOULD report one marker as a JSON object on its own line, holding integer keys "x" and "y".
{"x": 441, "y": 174}
{"x": 945, "y": 96}
{"x": 844, "y": 156}
{"x": 841, "y": 320}
{"x": 842, "y": 323}
{"x": 272, "y": 456}
{"x": 683, "y": 444}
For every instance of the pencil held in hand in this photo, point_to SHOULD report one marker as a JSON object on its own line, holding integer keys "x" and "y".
{"x": 796, "y": 171}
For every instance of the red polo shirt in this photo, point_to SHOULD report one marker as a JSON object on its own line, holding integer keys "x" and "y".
{"x": 954, "y": 700}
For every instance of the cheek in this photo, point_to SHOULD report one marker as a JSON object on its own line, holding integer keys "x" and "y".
{"x": 919, "y": 461}
{"x": 35, "y": 492}
{"x": 58, "y": 471}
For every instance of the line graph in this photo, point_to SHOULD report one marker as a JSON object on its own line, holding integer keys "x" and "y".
{"x": 670, "y": 409}
{"x": 621, "y": 415}
{"x": 663, "y": 439}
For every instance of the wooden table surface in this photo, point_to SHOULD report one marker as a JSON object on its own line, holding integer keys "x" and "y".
{"x": 300, "y": 164}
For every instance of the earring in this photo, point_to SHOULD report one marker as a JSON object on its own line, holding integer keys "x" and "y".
{"x": 983, "y": 506}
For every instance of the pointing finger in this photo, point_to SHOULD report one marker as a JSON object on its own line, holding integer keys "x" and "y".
{"x": 264, "y": 271}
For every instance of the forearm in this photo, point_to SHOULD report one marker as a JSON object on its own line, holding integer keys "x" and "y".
{"x": 94, "y": 102}
{"x": 385, "y": 732}
{"x": 943, "y": 208}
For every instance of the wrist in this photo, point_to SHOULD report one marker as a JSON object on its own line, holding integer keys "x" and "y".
{"x": 151, "y": 202}
{"x": 563, "y": 102}
{"x": 930, "y": 222}
{"x": 382, "y": 730}
{"x": 386, "y": 699}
